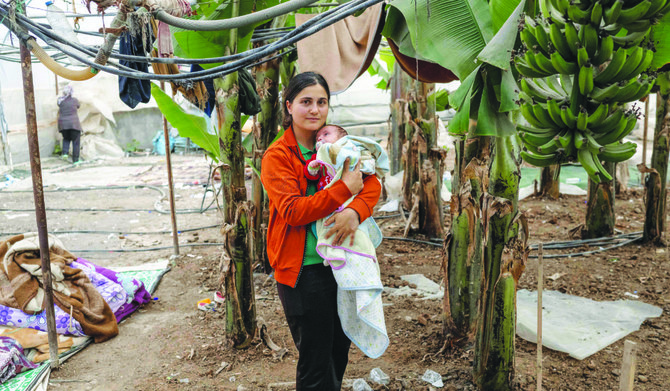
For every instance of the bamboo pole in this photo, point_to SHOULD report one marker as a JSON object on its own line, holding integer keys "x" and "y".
{"x": 628, "y": 366}
{"x": 168, "y": 162}
{"x": 38, "y": 194}
{"x": 540, "y": 280}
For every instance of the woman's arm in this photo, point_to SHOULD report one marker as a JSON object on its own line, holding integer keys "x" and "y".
{"x": 346, "y": 222}
{"x": 282, "y": 183}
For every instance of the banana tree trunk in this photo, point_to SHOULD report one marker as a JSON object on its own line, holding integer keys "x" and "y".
{"x": 264, "y": 131}
{"x": 236, "y": 262}
{"x": 400, "y": 85}
{"x": 432, "y": 166}
{"x": 424, "y": 161}
{"x": 549, "y": 184}
{"x": 505, "y": 257}
{"x": 600, "y": 218}
{"x": 656, "y": 179}
{"x": 463, "y": 248}
{"x": 236, "y": 266}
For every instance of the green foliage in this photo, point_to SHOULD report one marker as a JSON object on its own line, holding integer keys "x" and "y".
{"x": 451, "y": 33}
{"x": 660, "y": 34}
{"x": 663, "y": 82}
{"x": 441, "y": 98}
{"x": 203, "y": 44}
{"x": 132, "y": 146}
{"x": 189, "y": 125}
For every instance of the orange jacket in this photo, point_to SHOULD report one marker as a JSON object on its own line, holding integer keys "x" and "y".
{"x": 290, "y": 210}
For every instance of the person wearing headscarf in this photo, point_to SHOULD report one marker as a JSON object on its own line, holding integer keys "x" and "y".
{"x": 68, "y": 123}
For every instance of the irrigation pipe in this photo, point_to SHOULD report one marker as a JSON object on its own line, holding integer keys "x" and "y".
{"x": 138, "y": 250}
{"x": 569, "y": 255}
{"x": 120, "y": 232}
{"x": 66, "y": 73}
{"x": 231, "y": 23}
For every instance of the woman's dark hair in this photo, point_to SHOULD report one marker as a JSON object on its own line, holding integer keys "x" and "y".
{"x": 298, "y": 83}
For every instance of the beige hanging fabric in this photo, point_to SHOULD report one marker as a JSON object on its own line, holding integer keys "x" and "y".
{"x": 343, "y": 51}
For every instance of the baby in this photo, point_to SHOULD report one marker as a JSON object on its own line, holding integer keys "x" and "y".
{"x": 340, "y": 147}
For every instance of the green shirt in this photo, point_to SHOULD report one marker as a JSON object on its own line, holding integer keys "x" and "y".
{"x": 311, "y": 256}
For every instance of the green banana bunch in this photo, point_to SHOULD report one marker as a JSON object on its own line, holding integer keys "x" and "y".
{"x": 578, "y": 72}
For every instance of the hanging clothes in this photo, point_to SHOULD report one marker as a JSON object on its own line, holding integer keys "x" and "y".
{"x": 250, "y": 102}
{"x": 209, "y": 86}
{"x": 179, "y": 8}
{"x": 343, "y": 51}
{"x": 133, "y": 91}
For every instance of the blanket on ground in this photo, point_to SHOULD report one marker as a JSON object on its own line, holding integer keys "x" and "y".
{"x": 21, "y": 285}
{"x": 359, "y": 300}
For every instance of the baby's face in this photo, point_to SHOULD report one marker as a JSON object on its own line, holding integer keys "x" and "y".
{"x": 327, "y": 134}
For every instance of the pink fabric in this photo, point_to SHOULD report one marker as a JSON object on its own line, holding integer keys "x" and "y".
{"x": 164, "y": 38}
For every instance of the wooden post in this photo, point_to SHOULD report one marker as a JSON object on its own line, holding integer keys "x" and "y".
{"x": 628, "y": 366}
{"x": 644, "y": 136}
{"x": 540, "y": 280}
{"x": 168, "y": 162}
{"x": 38, "y": 195}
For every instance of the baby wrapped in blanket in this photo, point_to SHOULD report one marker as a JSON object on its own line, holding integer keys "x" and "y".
{"x": 359, "y": 301}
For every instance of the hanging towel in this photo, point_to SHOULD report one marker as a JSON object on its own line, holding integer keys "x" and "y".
{"x": 133, "y": 91}
{"x": 359, "y": 286}
{"x": 343, "y": 51}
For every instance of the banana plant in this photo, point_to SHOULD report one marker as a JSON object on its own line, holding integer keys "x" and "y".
{"x": 414, "y": 130}
{"x": 236, "y": 259}
{"x": 486, "y": 250}
{"x": 655, "y": 184}
{"x": 581, "y": 64}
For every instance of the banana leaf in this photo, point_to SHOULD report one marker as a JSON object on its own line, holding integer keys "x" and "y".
{"x": 204, "y": 44}
{"x": 189, "y": 125}
{"x": 501, "y": 11}
{"x": 498, "y": 51}
{"x": 661, "y": 33}
{"x": 434, "y": 31}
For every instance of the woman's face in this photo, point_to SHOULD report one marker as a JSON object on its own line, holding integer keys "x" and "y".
{"x": 309, "y": 109}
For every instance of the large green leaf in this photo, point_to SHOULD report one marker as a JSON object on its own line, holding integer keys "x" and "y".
{"x": 501, "y": 11}
{"x": 498, "y": 51}
{"x": 461, "y": 100}
{"x": 509, "y": 92}
{"x": 661, "y": 34}
{"x": 490, "y": 121}
{"x": 450, "y": 33}
{"x": 462, "y": 93}
{"x": 204, "y": 44}
{"x": 189, "y": 125}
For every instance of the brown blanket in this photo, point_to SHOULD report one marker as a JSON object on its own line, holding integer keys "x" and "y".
{"x": 21, "y": 285}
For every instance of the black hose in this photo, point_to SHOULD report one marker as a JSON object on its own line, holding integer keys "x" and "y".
{"x": 304, "y": 30}
{"x": 232, "y": 23}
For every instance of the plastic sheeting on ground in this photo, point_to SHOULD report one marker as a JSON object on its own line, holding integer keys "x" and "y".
{"x": 577, "y": 325}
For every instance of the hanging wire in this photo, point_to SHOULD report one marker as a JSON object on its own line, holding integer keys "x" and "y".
{"x": 312, "y": 26}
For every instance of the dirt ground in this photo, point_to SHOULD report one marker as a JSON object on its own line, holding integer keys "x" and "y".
{"x": 171, "y": 345}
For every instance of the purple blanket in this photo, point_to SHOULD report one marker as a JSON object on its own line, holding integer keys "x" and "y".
{"x": 124, "y": 295}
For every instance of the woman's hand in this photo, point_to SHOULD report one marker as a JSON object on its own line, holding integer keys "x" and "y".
{"x": 352, "y": 178}
{"x": 345, "y": 224}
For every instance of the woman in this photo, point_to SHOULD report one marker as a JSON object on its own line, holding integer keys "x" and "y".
{"x": 68, "y": 123}
{"x": 306, "y": 288}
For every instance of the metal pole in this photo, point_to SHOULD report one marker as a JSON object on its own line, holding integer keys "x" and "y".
{"x": 38, "y": 193}
{"x": 540, "y": 280}
{"x": 173, "y": 216}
